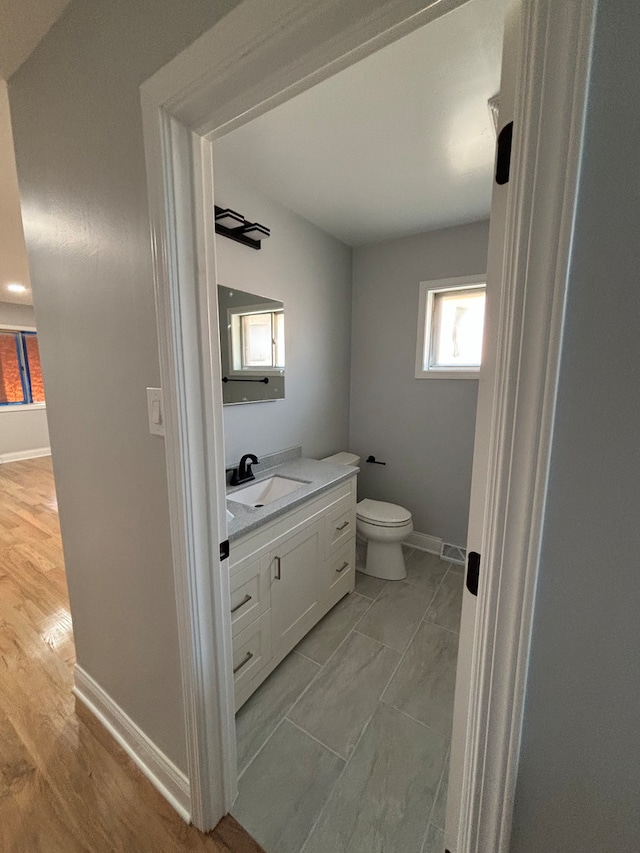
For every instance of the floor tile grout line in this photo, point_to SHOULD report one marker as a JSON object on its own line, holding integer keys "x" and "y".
{"x": 344, "y": 598}
{"x": 373, "y": 600}
{"x": 286, "y": 711}
{"x": 362, "y": 734}
{"x": 295, "y": 701}
{"x": 402, "y": 657}
{"x": 437, "y": 590}
{"x": 375, "y": 640}
{"x": 342, "y": 772}
{"x": 316, "y": 675}
{"x": 422, "y": 619}
{"x": 447, "y": 758}
{"x": 404, "y": 713}
{"x": 357, "y": 743}
{"x": 381, "y": 702}
{"x": 259, "y": 750}
{"x": 317, "y": 740}
{"x": 406, "y": 583}
{"x": 320, "y": 671}
{"x": 306, "y": 657}
{"x": 426, "y": 621}
{"x": 432, "y": 622}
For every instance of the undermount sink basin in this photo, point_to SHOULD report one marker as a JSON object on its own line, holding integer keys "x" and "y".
{"x": 266, "y": 491}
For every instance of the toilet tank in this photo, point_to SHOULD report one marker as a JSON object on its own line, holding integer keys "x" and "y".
{"x": 343, "y": 459}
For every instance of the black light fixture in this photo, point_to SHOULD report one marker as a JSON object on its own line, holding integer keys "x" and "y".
{"x": 233, "y": 225}
{"x": 229, "y": 218}
{"x": 255, "y": 231}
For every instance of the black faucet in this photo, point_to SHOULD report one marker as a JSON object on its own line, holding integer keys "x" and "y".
{"x": 243, "y": 473}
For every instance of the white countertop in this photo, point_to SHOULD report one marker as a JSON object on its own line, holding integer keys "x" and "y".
{"x": 316, "y": 476}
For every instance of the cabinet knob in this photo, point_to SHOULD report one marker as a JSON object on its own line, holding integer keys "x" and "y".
{"x": 342, "y": 526}
{"x": 342, "y": 568}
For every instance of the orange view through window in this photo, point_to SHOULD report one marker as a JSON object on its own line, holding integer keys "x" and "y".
{"x": 10, "y": 382}
{"x": 35, "y": 371}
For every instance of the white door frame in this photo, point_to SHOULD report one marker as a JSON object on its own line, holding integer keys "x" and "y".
{"x": 529, "y": 259}
{"x": 257, "y": 56}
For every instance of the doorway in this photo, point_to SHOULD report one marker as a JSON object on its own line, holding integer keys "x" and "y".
{"x": 371, "y": 182}
{"x": 170, "y": 148}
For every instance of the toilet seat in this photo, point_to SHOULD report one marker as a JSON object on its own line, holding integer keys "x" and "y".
{"x": 382, "y": 514}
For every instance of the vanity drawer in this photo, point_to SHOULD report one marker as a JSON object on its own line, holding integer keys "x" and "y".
{"x": 340, "y": 569}
{"x": 249, "y": 593}
{"x": 340, "y": 526}
{"x": 251, "y": 650}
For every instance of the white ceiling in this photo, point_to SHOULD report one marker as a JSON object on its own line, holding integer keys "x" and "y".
{"x": 23, "y": 24}
{"x": 14, "y": 268}
{"x": 399, "y": 143}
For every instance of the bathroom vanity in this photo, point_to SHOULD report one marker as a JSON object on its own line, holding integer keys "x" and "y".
{"x": 290, "y": 562}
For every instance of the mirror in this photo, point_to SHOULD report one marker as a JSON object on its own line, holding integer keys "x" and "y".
{"x": 251, "y": 347}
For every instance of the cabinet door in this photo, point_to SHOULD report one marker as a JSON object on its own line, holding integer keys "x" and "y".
{"x": 296, "y": 581}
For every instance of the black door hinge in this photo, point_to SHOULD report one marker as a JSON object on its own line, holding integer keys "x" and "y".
{"x": 503, "y": 157}
{"x": 224, "y": 550}
{"x": 473, "y": 572}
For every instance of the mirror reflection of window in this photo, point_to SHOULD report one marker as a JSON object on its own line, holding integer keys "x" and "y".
{"x": 262, "y": 340}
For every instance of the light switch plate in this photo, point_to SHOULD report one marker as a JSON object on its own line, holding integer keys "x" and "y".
{"x": 155, "y": 408}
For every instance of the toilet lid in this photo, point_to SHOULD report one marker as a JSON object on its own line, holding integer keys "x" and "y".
{"x": 382, "y": 513}
{"x": 343, "y": 459}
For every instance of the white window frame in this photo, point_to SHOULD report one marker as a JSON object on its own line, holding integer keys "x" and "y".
{"x": 428, "y": 290}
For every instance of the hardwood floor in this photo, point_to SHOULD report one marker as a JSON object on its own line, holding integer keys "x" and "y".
{"x": 65, "y": 785}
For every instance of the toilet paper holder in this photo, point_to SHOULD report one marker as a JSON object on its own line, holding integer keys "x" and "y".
{"x": 374, "y": 460}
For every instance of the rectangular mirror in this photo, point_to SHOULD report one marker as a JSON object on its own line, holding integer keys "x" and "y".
{"x": 251, "y": 347}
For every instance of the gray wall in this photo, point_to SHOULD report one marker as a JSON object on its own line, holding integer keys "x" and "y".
{"x": 23, "y": 433}
{"x": 21, "y": 430}
{"x": 579, "y": 777}
{"x": 77, "y": 126}
{"x": 422, "y": 428}
{"x": 14, "y": 314}
{"x": 310, "y": 272}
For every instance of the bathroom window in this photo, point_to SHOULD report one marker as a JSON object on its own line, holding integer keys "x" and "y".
{"x": 450, "y": 327}
{"x": 20, "y": 373}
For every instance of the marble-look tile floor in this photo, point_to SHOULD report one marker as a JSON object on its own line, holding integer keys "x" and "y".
{"x": 345, "y": 747}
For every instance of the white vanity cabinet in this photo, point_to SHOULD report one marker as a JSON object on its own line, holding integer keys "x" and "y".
{"x": 285, "y": 576}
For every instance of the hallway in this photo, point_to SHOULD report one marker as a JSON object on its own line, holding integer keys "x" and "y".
{"x": 65, "y": 785}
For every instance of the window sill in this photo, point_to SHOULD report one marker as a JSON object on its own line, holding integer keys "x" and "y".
{"x": 448, "y": 374}
{"x": 24, "y": 407}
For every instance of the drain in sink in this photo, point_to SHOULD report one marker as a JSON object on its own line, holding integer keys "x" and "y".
{"x": 257, "y": 506}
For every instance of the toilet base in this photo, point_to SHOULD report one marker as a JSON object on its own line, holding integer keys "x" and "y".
{"x": 385, "y": 560}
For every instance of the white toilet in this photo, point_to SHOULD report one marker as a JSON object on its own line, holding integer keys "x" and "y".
{"x": 383, "y": 526}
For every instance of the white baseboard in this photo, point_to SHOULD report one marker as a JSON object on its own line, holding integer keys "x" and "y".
{"x": 25, "y": 454}
{"x": 159, "y": 770}
{"x": 424, "y": 542}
